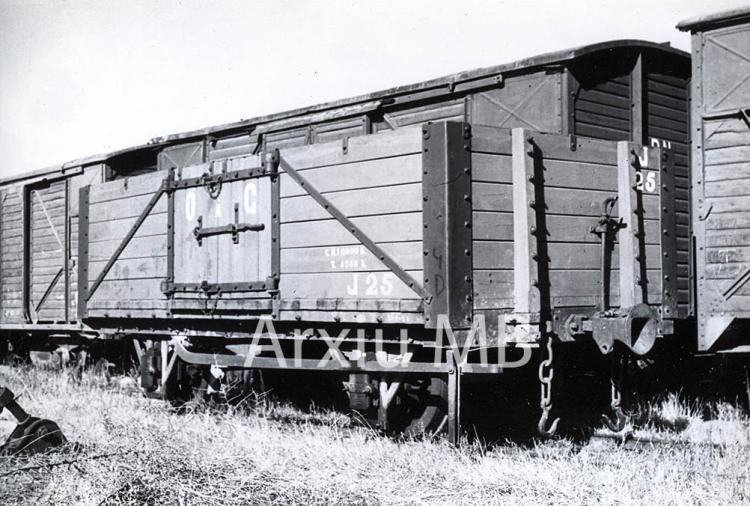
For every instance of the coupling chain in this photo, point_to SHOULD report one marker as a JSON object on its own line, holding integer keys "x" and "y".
{"x": 546, "y": 374}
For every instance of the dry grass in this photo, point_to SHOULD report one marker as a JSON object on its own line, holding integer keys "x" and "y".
{"x": 137, "y": 451}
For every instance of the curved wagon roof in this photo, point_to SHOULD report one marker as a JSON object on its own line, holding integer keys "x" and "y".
{"x": 714, "y": 20}
{"x": 458, "y": 82}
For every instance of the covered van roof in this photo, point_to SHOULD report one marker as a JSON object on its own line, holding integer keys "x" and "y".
{"x": 708, "y": 21}
{"x": 461, "y": 81}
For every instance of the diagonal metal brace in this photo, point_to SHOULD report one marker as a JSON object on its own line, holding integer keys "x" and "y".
{"x": 355, "y": 231}
{"x": 165, "y": 186}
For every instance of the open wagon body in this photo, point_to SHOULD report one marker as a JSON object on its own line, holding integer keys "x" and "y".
{"x": 545, "y": 199}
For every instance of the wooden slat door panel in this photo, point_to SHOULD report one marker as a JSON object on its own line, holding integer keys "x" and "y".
{"x": 47, "y": 235}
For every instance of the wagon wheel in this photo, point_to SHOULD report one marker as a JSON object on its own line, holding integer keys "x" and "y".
{"x": 196, "y": 383}
{"x": 420, "y": 406}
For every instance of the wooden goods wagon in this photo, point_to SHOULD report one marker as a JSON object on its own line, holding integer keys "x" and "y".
{"x": 548, "y": 197}
{"x": 721, "y": 177}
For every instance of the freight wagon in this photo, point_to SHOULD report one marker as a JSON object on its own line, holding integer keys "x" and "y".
{"x": 721, "y": 177}
{"x": 504, "y": 211}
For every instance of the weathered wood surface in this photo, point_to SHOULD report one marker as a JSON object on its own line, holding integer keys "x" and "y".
{"x": 575, "y": 185}
{"x": 375, "y": 182}
{"x": 47, "y": 241}
{"x": 141, "y": 266}
{"x": 11, "y": 255}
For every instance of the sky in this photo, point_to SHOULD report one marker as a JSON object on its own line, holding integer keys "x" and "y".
{"x": 84, "y": 77}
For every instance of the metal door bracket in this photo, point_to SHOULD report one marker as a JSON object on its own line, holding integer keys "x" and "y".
{"x": 200, "y": 232}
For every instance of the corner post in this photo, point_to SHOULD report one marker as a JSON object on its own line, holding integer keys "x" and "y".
{"x": 628, "y": 238}
{"x": 447, "y": 208}
{"x": 83, "y": 251}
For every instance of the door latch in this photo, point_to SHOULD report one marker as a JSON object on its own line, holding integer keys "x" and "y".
{"x": 200, "y": 232}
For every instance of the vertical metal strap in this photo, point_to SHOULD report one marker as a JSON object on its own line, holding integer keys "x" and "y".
{"x": 170, "y": 237}
{"x": 66, "y": 252}
{"x": 26, "y": 245}
{"x": 83, "y": 250}
{"x": 275, "y": 235}
{"x": 454, "y": 401}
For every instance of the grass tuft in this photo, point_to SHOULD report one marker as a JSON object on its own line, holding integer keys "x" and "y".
{"x": 130, "y": 450}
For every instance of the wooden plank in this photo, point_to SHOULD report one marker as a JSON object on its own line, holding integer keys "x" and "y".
{"x": 597, "y": 119}
{"x": 602, "y": 112}
{"x": 727, "y": 221}
{"x": 125, "y": 208}
{"x": 731, "y": 237}
{"x": 600, "y": 97}
{"x": 735, "y": 188}
{"x": 131, "y": 269}
{"x": 580, "y": 175}
{"x": 725, "y": 133}
{"x": 491, "y": 168}
{"x": 366, "y": 174}
{"x": 352, "y": 258}
{"x": 125, "y": 304}
{"x": 577, "y": 202}
{"x": 403, "y": 141}
{"x": 144, "y": 184}
{"x": 145, "y": 289}
{"x": 354, "y": 203}
{"x": 487, "y": 139}
{"x": 154, "y": 224}
{"x": 334, "y": 285}
{"x": 728, "y": 172}
{"x": 735, "y": 154}
{"x": 600, "y": 132}
{"x": 676, "y": 92}
{"x": 725, "y": 270}
{"x": 557, "y": 147}
{"x": 329, "y": 232}
{"x": 492, "y": 197}
{"x": 493, "y": 289}
{"x": 576, "y": 229}
{"x": 138, "y": 247}
{"x": 499, "y": 255}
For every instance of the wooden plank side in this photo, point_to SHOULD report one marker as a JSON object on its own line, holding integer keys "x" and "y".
{"x": 499, "y": 255}
{"x": 139, "y": 186}
{"x": 353, "y": 203}
{"x": 365, "y": 174}
{"x": 350, "y": 258}
{"x": 329, "y": 232}
{"x": 491, "y": 168}
{"x": 493, "y": 289}
{"x": 113, "y": 290}
{"x": 404, "y": 141}
{"x": 155, "y": 224}
{"x": 126, "y": 207}
{"x": 490, "y": 140}
{"x": 138, "y": 247}
{"x": 498, "y": 226}
{"x": 131, "y": 269}
{"x": 345, "y": 285}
